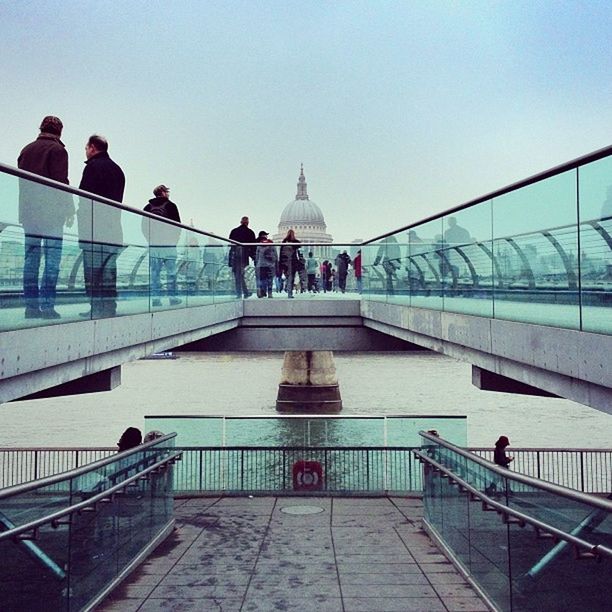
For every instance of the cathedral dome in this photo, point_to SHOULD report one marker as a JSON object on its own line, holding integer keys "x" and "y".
{"x": 305, "y": 218}
{"x": 302, "y": 211}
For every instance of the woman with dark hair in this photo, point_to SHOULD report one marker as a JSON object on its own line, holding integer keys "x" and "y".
{"x": 289, "y": 260}
{"x": 499, "y": 454}
{"x": 130, "y": 438}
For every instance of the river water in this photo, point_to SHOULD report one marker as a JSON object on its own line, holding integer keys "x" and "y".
{"x": 246, "y": 384}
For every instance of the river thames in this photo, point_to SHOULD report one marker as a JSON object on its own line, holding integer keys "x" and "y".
{"x": 405, "y": 383}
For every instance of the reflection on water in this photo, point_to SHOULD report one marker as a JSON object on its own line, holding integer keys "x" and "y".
{"x": 246, "y": 384}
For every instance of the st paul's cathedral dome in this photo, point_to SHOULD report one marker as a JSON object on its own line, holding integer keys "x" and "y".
{"x": 305, "y": 218}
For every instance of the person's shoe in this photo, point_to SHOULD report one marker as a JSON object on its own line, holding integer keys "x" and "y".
{"x": 247, "y": 295}
{"x": 32, "y": 313}
{"x": 270, "y": 294}
{"x": 156, "y": 303}
{"x": 50, "y": 313}
{"x": 174, "y": 301}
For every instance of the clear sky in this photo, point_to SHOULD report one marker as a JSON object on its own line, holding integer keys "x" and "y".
{"x": 397, "y": 109}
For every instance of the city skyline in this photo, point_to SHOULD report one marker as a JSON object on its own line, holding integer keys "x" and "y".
{"x": 397, "y": 111}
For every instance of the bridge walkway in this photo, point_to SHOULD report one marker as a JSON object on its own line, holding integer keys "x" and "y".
{"x": 250, "y": 554}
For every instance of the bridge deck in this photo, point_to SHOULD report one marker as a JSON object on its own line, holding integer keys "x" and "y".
{"x": 248, "y": 554}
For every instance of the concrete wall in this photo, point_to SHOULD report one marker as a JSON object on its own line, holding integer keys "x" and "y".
{"x": 563, "y": 362}
{"x": 40, "y": 358}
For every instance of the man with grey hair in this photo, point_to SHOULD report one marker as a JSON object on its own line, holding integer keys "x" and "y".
{"x": 43, "y": 212}
{"x": 102, "y": 240}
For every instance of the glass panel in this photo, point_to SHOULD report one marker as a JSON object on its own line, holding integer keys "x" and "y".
{"x": 164, "y": 265}
{"x": 427, "y": 264}
{"x": 536, "y": 247}
{"x": 468, "y": 261}
{"x": 373, "y": 277}
{"x": 595, "y": 197}
{"x": 38, "y": 254}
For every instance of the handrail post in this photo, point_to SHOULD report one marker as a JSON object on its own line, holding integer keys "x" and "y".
{"x": 582, "y": 471}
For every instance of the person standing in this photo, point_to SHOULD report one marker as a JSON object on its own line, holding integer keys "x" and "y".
{"x": 163, "y": 238}
{"x": 357, "y": 268}
{"x": 312, "y": 265}
{"x": 289, "y": 260}
{"x": 43, "y": 212}
{"x": 342, "y": 263}
{"x": 266, "y": 261}
{"x": 103, "y": 241}
{"x": 239, "y": 255}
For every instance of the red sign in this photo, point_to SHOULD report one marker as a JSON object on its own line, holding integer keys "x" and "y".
{"x": 307, "y": 476}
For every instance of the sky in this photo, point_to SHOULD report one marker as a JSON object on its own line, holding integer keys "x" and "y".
{"x": 398, "y": 110}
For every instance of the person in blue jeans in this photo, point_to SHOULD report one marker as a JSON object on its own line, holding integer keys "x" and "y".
{"x": 163, "y": 238}
{"x": 43, "y": 212}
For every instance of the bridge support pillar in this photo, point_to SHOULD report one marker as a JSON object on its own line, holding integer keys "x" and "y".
{"x": 309, "y": 384}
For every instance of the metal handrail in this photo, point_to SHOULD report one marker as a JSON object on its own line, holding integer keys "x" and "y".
{"x": 89, "y": 467}
{"x": 90, "y": 501}
{"x": 522, "y": 518}
{"x": 550, "y": 487}
{"x": 43, "y": 180}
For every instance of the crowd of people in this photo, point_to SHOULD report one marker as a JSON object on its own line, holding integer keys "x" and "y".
{"x": 286, "y": 270}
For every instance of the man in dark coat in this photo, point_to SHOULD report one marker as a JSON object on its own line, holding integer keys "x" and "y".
{"x": 342, "y": 263}
{"x": 101, "y": 241}
{"x": 239, "y": 255}
{"x": 43, "y": 212}
{"x": 163, "y": 238}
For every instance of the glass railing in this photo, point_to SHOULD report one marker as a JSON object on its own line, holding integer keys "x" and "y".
{"x": 65, "y": 256}
{"x": 539, "y": 252}
{"x": 66, "y": 538}
{"x": 527, "y": 544}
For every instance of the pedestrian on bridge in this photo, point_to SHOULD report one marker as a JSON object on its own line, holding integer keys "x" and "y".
{"x": 163, "y": 238}
{"x": 43, "y": 212}
{"x": 239, "y": 255}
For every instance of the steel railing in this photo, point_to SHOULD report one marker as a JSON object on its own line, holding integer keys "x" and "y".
{"x": 587, "y": 470}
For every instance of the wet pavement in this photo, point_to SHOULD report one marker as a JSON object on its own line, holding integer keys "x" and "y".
{"x": 306, "y": 554}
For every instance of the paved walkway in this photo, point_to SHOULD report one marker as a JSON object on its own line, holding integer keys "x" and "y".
{"x": 249, "y": 554}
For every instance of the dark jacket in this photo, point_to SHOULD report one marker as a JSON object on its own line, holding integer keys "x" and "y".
{"x": 162, "y": 234}
{"x": 289, "y": 256}
{"x": 500, "y": 457}
{"x": 342, "y": 263}
{"x": 239, "y": 256}
{"x": 103, "y": 177}
{"x": 41, "y": 208}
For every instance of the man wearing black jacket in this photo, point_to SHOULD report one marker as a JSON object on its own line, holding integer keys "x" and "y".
{"x": 102, "y": 240}
{"x": 43, "y": 212}
{"x": 239, "y": 255}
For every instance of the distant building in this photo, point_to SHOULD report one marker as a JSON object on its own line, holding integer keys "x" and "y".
{"x": 305, "y": 218}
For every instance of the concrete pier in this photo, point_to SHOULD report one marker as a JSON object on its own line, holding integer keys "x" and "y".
{"x": 309, "y": 384}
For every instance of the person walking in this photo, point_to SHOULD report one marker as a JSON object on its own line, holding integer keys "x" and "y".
{"x": 163, "y": 238}
{"x": 342, "y": 263}
{"x": 357, "y": 269}
{"x": 499, "y": 454}
{"x": 289, "y": 260}
{"x": 101, "y": 242}
{"x": 266, "y": 260}
{"x": 239, "y": 255}
{"x": 43, "y": 212}
{"x": 312, "y": 266}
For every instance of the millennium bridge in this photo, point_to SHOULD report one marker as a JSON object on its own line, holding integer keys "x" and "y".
{"x": 517, "y": 282}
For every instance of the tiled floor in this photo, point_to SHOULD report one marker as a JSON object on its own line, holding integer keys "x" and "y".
{"x": 247, "y": 554}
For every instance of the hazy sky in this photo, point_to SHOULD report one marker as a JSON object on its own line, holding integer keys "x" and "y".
{"x": 397, "y": 109}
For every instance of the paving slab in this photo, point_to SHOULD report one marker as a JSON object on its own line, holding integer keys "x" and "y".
{"x": 247, "y": 555}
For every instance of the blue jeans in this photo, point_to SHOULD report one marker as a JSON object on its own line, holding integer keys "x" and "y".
{"x": 42, "y": 295}
{"x": 158, "y": 258}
